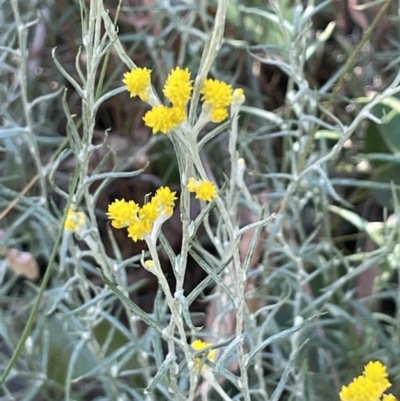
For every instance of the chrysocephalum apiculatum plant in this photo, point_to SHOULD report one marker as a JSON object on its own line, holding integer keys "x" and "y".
{"x": 178, "y": 119}
{"x": 144, "y": 222}
{"x": 252, "y": 353}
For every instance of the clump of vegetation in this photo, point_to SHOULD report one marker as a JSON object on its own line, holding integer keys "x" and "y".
{"x": 199, "y": 200}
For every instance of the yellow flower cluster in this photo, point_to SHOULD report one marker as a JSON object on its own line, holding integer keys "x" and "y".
{"x": 369, "y": 386}
{"x": 217, "y": 96}
{"x": 75, "y": 220}
{"x": 178, "y": 89}
{"x": 204, "y": 189}
{"x": 141, "y": 220}
{"x": 199, "y": 345}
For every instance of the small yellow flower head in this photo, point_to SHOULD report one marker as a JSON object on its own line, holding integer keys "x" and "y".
{"x": 217, "y": 96}
{"x": 198, "y": 345}
{"x": 75, "y": 220}
{"x": 163, "y": 118}
{"x": 137, "y": 82}
{"x": 204, "y": 189}
{"x": 164, "y": 197}
{"x": 139, "y": 229}
{"x": 178, "y": 87}
{"x": 122, "y": 213}
{"x": 369, "y": 386}
{"x": 219, "y": 114}
{"x": 149, "y": 211}
{"x": 217, "y": 93}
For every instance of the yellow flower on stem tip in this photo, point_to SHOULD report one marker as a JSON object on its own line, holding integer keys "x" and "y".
{"x": 149, "y": 211}
{"x": 219, "y": 114}
{"x": 199, "y": 345}
{"x": 139, "y": 229}
{"x": 178, "y": 86}
{"x": 164, "y": 197}
{"x": 122, "y": 212}
{"x": 217, "y": 93}
{"x": 204, "y": 189}
{"x": 369, "y": 386}
{"x": 163, "y": 118}
{"x": 137, "y": 82}
{"x": 75, "y": 220}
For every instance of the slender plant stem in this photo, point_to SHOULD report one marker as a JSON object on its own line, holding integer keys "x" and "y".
{"x": 43, "y": 286}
